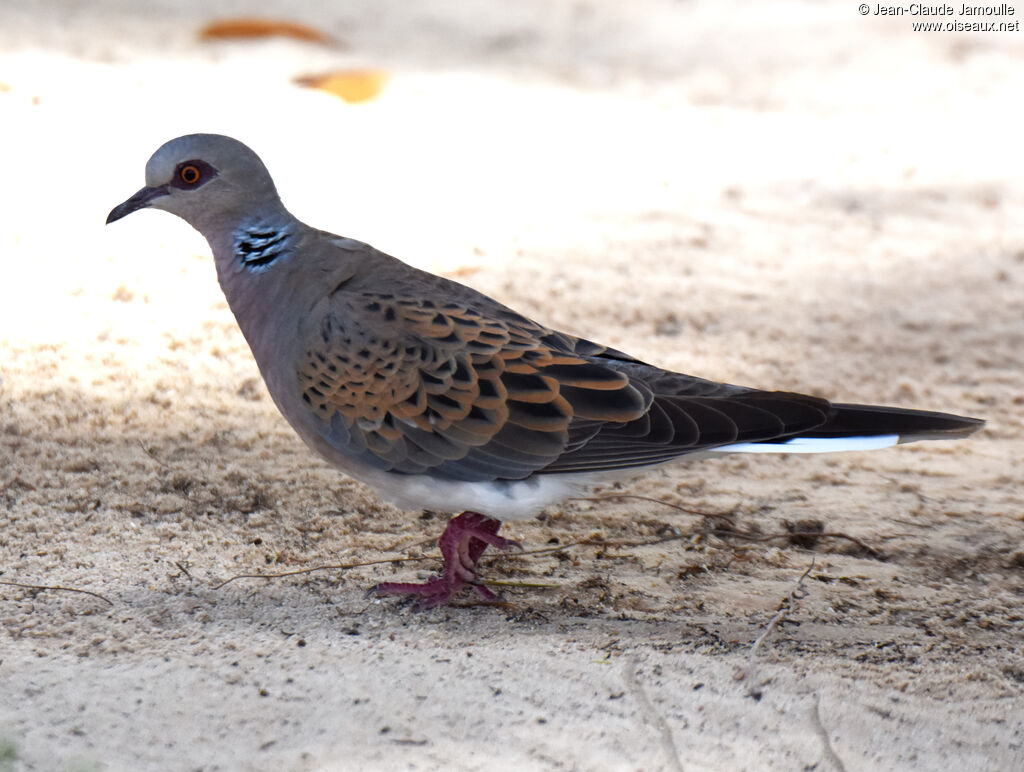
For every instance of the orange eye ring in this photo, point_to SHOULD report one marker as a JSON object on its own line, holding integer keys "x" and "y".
{"x": 189, "y": 174}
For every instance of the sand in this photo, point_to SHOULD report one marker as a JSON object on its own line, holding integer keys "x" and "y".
{"x": 783, "y": 195}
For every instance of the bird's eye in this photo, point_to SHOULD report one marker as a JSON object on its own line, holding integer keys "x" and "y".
{"x": 189, "y": 174}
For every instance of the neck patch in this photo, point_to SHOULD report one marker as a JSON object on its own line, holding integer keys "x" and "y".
{"x": 258, "y": 246}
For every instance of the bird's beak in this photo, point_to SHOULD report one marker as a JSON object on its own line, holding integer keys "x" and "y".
{"x": 140, "y": 200}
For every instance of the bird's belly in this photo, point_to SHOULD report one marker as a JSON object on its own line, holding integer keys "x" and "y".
{"x": 500, "y": 499}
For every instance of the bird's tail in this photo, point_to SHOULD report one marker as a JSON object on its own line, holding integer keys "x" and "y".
{"x": 865, "y": 427}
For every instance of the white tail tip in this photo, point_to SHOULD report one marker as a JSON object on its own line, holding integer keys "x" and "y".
{"x": 813, "y": 445}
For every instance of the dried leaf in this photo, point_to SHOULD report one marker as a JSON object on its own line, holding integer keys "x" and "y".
{"x": 350, "y": 85}
{"x": 463, "y": 270}
{"x": 255, "y": 27}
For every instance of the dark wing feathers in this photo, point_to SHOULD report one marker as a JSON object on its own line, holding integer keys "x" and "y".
{"x": 464, "y": 394}
{"x": 675, "y": 425}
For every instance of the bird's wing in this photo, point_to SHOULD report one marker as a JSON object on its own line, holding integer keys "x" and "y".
{"x": 418, "y": 386}
{"x": 466, "y": 391}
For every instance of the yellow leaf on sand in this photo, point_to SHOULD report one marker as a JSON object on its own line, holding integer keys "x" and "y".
{"x": 256, "y": 27}
{"x": 463, "y": 270}
{"x": 351, "y": 85}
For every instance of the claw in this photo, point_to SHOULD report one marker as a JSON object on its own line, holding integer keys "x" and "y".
{"x": 462, "y": 544}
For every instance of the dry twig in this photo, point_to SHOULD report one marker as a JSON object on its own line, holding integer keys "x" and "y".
{"x": 785, "y": 606}
{"x": 652, "y": 500}
{"x": 314, "y": 569}
{"x": 56, "y": 588}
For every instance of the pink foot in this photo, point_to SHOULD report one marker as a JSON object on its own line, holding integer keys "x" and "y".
{"x": 462, "y": 544}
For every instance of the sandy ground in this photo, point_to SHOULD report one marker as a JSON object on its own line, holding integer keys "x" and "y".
{"x": 784, "y": 195}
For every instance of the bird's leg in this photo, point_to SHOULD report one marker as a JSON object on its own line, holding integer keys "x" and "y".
{"x": 462, "y": 544}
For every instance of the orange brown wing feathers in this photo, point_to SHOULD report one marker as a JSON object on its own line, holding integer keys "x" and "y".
{"x": 415, "y": 386}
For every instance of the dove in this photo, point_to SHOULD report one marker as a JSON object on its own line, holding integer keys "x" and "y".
{"x": 440, "y": 397}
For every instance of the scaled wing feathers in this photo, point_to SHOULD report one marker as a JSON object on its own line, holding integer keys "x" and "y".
{"x": 413, "y": 385}
{"x": 421, "y": 385}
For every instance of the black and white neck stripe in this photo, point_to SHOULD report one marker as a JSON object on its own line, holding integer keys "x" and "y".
{"x": 257, "y": 246}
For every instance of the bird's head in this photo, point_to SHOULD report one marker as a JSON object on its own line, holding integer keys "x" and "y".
{"x": 204, "y": 179}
